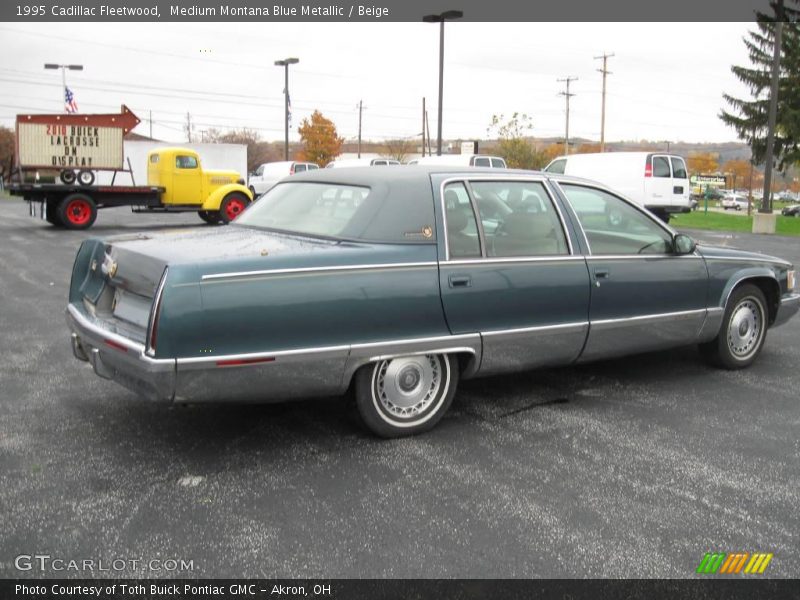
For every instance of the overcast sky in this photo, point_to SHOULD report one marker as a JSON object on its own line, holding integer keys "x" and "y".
{"x": 667, "y": 81}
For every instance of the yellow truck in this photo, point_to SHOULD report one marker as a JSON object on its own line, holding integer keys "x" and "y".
{"x": 176, "y": 182}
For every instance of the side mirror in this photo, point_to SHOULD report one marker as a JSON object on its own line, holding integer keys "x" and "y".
{"x": 683, "y": 244}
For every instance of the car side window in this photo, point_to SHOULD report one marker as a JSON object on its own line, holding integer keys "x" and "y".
{"x": 482, "y": 162}
{"x": 660, "y": 167}
{"x": 678, "y": 168}
{"x": 498, "y": 163}
{"x": 557, "y": 166}
{"x": 259, "y": 171}
{"x": 613, "y": 226}
{"x": 299, "y": 168}
{"x": 462, "y": 228}
{"x": 519, "y": 219}
{"x": 185, "y": 162}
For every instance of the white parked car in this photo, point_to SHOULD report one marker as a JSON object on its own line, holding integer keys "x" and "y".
{"x": 659, "y": 182}
{"x": 268, "y": 174}
{"x": 734, "y": 202}
{"x": 462, "y": 160}
{"x": 361, "y": 162}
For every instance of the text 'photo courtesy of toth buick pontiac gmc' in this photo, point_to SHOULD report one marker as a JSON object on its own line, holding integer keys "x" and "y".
{"x": 396, "y": 283}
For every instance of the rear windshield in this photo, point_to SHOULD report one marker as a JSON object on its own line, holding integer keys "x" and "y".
{"x": 350, "y": 212}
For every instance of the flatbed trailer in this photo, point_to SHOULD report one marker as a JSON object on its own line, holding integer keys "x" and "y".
{"x": 76, "y": 206}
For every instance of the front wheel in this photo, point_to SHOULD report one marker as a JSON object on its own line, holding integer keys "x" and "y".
{"x": 232, "y": 206}
{"x": 406, "y": 395}
{"x": 743, "y": 331}
{"x": 209, "y": 216}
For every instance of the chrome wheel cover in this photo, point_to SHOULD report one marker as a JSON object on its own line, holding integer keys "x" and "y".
{"x": 406, "y": 387}
{"x": 745, "y": 328}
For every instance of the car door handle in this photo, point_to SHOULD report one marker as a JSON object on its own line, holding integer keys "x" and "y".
{"x": 459, "y": 281}
{"x": 599, "y": 274}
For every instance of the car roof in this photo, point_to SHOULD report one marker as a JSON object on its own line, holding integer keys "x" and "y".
{"x": 376, "y": 174}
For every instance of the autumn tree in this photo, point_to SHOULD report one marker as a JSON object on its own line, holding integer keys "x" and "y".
{"x": 588, "y": 149}
{"x": 321, "y": 142}
{"x": 513, "y": 143}
{"x": 738, "y": 169}
{"x": 399, "y": 149}
{"x": 702, "y": 163}
{"x": 6, "y": 152}
{"x": 749, "y": 117}
{"x": 552, "y": 152}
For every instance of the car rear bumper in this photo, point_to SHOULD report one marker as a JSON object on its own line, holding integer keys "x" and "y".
{"x": 790, "y": 304}
{"x": 120, "y": 359}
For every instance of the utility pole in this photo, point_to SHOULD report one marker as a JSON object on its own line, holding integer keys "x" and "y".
{"x": 567, "y": 96}
{"x": 151, "y": 124}
{"x": 423, "y": 125}
{"x": 360, "y": 109}
{"x": 189, "y": 127}
{"x": 428, "y": 129}
{"x": 766, "y": 203}
{"x": 605, "y": 72}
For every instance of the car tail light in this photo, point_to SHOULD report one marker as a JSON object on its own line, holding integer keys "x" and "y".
{"x": 155, "y": 313}
{"x": 648, "y": 168}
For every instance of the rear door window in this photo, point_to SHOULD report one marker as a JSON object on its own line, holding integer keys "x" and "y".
{"x": 463, "y": 240}
{"x": 661, "y": 166}
{"x": 678, "y": 168}
{"x": 498, "y": 163}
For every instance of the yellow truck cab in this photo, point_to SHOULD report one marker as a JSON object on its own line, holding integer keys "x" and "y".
{"x": 218, "y": 196}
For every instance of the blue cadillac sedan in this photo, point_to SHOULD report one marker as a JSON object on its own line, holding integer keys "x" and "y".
{"x": 396, "y": 283}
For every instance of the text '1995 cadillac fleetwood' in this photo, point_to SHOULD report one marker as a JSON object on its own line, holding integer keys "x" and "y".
{"x": 397, "y": 282}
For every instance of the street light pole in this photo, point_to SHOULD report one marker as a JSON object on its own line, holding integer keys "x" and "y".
{"x": 285, "y": 64}
{"x": 63, "y": 76}
{"x": 448, "y": 15}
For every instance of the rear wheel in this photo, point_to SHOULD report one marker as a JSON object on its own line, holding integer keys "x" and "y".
{"x": 209, "y": 216}
{"x": 77, "y": 211}
{"x": 67, "y": 177}
{"x": 743, "y": 331}
{"x": 85, "y": 177}
{"x": 406, "y": 395}
{"x": 232, "y": 206}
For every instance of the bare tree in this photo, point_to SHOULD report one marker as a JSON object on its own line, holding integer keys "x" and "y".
{"x": 399, "y": 149}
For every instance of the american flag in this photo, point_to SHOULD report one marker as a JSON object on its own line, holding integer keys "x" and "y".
{"x": 69, "y": 101}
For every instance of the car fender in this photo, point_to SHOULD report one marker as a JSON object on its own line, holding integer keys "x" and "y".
{"x": 744, "y": 275}
{"x": 215, "y": 198}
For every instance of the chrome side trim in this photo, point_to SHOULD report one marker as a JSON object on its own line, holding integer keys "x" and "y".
{"x": 773, "y": 261}
{"x": 459, "y": 337}
{"x": 538, "y": 329}
{"x": 511, "y": 260}
{"x": 606, "y": 323}
{"x": 330, "y": 269}
{"x": 642, "y": 256}
{"x": 201, "y": 362}
{"x": 466, "y": 178}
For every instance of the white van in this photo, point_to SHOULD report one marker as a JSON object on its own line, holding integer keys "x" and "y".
{"x": 268, "y": 174}
{"x": 462, "y": 160}
{"x": 659, "y": 182}
{"x": 361, "y": 162}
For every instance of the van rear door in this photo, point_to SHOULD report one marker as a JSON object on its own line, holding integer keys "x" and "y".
{"x": 681, "y": 190}
{"x": 657, "y": 181}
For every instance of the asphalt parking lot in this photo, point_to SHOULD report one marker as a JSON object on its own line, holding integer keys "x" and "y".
{"x": 627, "y": 468}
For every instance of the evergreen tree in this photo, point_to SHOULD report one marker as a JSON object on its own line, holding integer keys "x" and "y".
{"x": 749, "y": 117}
